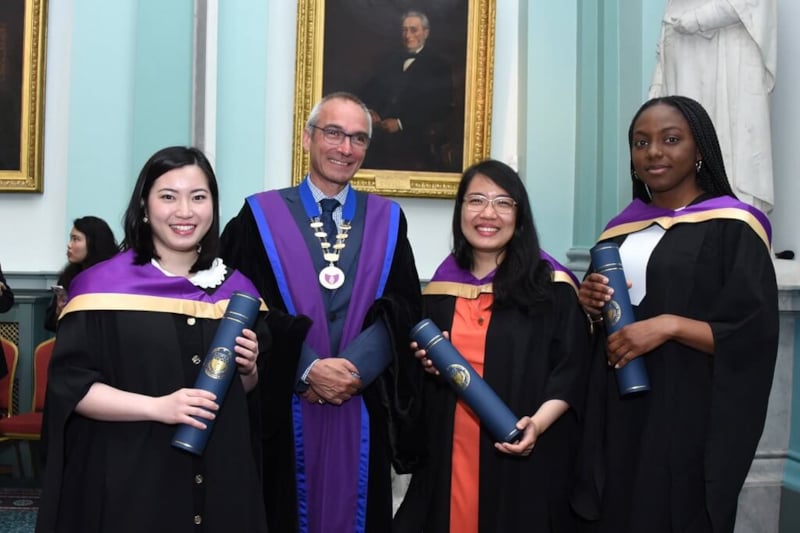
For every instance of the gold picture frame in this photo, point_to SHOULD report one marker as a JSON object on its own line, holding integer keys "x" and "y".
{"x": 23, "y": 30}
{"x": 347, "y": 51}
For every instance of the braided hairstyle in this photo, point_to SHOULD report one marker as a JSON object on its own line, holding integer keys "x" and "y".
{"x": 711, "y": 177}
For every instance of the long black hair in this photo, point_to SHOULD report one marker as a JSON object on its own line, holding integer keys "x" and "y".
{"x": 100, "y": 245}
{"x": 711, "y": 177}
{"x": 522, "y": 278}
{"x": 139, "y": 234}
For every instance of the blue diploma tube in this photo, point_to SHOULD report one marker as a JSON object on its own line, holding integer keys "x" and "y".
{"x": 493, "y": 413}
{"x": 618, "y": 312}
{"x": 219, "y": 367}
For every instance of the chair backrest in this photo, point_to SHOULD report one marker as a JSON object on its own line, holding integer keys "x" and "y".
{"x": 41, "y": 364}
{"x": 11, "y": 354}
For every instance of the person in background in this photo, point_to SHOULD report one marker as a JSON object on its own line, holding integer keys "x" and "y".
{"x": 340, "y": 405}
{"x": 6, "y": 301}
{"x": 90, "y": 241}
{"x": 706, "y": 306}
{"x": 130, "y": 345}
{"x": 512, "y": 311}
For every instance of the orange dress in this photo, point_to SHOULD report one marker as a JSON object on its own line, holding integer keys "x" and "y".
{"x": 468, "y": 335}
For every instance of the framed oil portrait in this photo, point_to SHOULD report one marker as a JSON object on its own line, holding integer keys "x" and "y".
{"x": 22, "y": 52}
{"x": 424, "y": 69}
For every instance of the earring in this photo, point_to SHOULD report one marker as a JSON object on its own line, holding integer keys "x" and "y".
{"x": 145, "y": 219}
{"x": 635, "y": 175}
{"x": 698, "y": 165}
{"x": 199, "y": 248}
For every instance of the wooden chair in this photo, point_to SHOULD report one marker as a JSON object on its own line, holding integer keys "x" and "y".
{"x": 28, "y": 426}
{"x": 7, "y": 383}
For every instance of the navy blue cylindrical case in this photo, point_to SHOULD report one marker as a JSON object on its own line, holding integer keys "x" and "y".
{"x": 493, "y": 413}
{"x": 618, "y": 312}
{"x": 219, "y": 366}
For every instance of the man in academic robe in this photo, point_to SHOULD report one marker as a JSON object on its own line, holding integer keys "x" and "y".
{"x": 337, "y": 271}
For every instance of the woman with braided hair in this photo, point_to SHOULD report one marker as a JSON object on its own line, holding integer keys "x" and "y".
{"x": 704, "y": 293}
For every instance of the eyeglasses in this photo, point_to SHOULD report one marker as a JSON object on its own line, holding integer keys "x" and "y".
{"x": 336, "y": 136}
{"x": 503, "y": 205}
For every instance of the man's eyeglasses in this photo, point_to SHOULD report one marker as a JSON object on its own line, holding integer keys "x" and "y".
{"x": 336, "y": 136}
{"x": 503, "y": 205}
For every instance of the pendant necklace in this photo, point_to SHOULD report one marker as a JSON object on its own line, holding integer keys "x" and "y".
{"x": 331, "y": 277}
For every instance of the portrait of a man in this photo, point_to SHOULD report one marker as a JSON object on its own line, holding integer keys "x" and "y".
{"x": 408, "y": 66}
{"x": 12, "y": 19}
{"x": 23, "y": 26}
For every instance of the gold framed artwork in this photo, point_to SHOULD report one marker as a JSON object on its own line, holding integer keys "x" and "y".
{"x": 22, "y": 60}
{"x": 431, "y": 112}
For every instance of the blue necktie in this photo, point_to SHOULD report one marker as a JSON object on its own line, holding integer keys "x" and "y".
{"x": 326, "y": 217}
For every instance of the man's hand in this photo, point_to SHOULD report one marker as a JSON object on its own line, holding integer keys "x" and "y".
{"x": 334, "y": 380}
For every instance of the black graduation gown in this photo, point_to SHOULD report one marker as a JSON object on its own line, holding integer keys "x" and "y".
{"x": 50, "y": 316}
{"x": 6, "y": 301}
{"x": 529, "y": 360}
{"x": 392, "y": 399}
{"x": 675, "y": 458}
{"x": 125, "y": 476}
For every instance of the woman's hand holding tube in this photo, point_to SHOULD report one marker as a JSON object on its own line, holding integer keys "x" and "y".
{"x": 634, "y": 340}
{"x": 533, "y": 427}
{"x": 182, "y": 405}
{"x": 109, "y": 404}
{"x": 422, "y": 355}
{"x": 246, "y": 358}
{"x": 593, "y": 294}
{"x": 524, "y": 446}
{"x": 646, "y": 335}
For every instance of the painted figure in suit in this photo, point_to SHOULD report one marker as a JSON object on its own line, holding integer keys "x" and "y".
{"x": 337, "y": 272}
{"x": 409, "y": 97}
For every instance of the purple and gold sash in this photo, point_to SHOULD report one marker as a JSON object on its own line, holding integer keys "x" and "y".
{"x": 336, "y": 497}
{"x": 639, "y": 215}
{"x": 450, "y": 279}
{"x": 119, "y": 285}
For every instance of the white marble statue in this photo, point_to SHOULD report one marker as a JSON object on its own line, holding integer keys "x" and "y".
{"x": 722, "y": 53}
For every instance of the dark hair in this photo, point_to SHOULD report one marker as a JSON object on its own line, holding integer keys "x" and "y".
{"x": 711, "y": 177}
{"x": 139, "y": 235}
{"x": 100, "y": 245}
{"x": 522, "y": 277}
